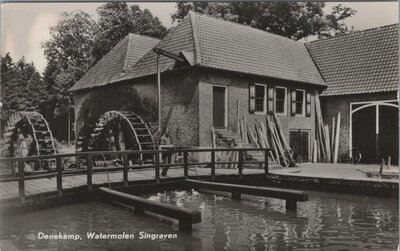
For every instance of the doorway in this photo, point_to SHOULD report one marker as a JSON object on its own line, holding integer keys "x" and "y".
{"x": 374, "y": 131}
{"x": 219, "y": 107}
{"x": 299, "y": 143}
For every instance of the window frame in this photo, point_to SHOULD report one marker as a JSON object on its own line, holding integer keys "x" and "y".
{"x": 303, "y": 113}
{"x": 265, "y": 99}
{"x": 285, "y": 102}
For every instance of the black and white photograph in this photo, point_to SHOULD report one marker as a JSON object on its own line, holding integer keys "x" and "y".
{"x": 203, "y": 126}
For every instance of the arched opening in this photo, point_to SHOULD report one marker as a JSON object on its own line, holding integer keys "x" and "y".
{"x": 374, "y": 131}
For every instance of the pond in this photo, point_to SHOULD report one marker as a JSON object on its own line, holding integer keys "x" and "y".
{"x": 328, "y": 221}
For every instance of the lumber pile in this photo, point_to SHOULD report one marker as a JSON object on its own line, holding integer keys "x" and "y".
{"x": 325, "y": 145}
{"x": 224, "y": 156}
{"x": 267, "y": 135}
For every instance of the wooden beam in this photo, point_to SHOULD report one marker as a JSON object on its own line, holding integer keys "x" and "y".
{"x": 168, "y": 54}
{"x": 186, "y": 217}
{"x": 292, "y": 196}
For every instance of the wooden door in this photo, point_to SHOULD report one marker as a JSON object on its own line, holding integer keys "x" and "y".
{"x": 219, "y": 106}
{"x": 299, "y": 143}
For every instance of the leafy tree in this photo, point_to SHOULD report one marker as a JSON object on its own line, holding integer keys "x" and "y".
{"x": 69, "y": 57}
{"x": 117, "y": 19}
{"x": 295, "y": 20}
{"x": 69, "y": 49}
{"x": 22, "y": 87}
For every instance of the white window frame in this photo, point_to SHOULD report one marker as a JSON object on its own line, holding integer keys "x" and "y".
{"x": 285, "y": 104}
{"x": 303, "y": 113}
{"x": 265, "y": 99}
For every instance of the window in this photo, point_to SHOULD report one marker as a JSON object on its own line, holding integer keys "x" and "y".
{"x": 299, "y": 102}
{"x": 280, "y": 100}
{"x": 259, "y": 98}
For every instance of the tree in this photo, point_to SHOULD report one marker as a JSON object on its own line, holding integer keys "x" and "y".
{"x": 69, "y": 57}
{"x": 117, "y": 19}
{"x": 22, "y": 87}
{"x": 77, "y": 42}
{"x": 69, "y": 50}
{"x": 294, "y": 20}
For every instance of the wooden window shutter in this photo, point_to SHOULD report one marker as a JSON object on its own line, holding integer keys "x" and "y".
{"x": 252, "y": 98}
{"x": 308, "y": 104}
{"x": 293, "y": 102}
{"x": 270, "y": 100}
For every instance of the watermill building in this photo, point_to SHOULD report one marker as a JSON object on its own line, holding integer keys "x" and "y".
{"x": 229, "y": 71}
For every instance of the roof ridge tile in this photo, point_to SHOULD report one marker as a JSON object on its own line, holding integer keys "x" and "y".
{"x": 195, "y": 39}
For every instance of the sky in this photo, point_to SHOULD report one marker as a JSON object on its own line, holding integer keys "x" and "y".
{"x": 24, "y": 26}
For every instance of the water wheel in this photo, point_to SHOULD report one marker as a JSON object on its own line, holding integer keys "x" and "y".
{"x": 116, "y": 131}
{"x": 34, "y": 129}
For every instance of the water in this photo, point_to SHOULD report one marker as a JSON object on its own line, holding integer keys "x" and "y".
{"x": 328, "y": 221}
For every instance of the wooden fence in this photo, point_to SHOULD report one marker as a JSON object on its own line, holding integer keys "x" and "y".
{"x": 59, "y": 172}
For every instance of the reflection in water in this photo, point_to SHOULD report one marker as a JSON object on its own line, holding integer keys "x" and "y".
{"x": 328, "y": 221}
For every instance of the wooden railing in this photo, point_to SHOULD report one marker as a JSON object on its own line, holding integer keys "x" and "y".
{"x": 59, "y": 172}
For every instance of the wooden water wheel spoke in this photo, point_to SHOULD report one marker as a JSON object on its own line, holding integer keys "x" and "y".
{"x": 39, "y": 130}
{"x": 109, "y": 125}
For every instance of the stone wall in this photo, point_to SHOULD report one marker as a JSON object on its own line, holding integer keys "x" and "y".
{"x": 332, "y": 105}
{"x": 179, "y": 99}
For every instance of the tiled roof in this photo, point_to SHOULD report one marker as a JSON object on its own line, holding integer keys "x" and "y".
{"x": 125, "y": 54}
{"x": 361, "y": 62}
{"x": 224, "y": 45}
{"x": 179, "y": 39}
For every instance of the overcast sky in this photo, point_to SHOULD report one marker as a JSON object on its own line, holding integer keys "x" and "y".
{"x": 25, "y": 25}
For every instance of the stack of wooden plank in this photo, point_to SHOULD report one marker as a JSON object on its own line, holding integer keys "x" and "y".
{"x": 277, "y": 141}
{"x": 267, "y": 135}
{"x": 325, "y": 145}
{"x": 224, "y": 156}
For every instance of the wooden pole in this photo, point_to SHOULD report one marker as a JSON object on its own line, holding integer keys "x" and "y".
{"x": 125, "y": 174}
{"x": 159, "y": 92}
{"x": 237, "y": 118}
{"x": 213, "y": 163}
{"x": 240, "y": 166}
{"x": 59, "y": 175}
{"x": 266, "y": 162}
{"x": 335, "y": 156}
{"x": 21, "y": 181}
{"x": 89, "y": 171}
{"x": 157, "y": 168}
{"x": 69, "y": 122}
{"x": 333, "y": 139}
{"x": 185, "y": 164}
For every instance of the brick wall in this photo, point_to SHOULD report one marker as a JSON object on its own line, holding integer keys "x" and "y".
{"x": 332, "y": 105}
{"x": 238, "y": 95}
{"x": 179, "y": 99}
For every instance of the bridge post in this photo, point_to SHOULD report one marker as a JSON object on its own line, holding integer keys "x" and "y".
{"x": 185, "y": 164}
{"x": 59, "y": 175}
{"x": 21, "y": 181}
{"x": 157, "y": 167}
{"x": 89, "y": 171}
{"x": 240, "y": 165}
{"x": 291, "y": 205}
{"x": 125, "y": 171}
{"x": 185, "y": 225}
{"x": 236, "y": 196}
{"x": 212, "y": 164}
{"x": 266, "y": 161}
